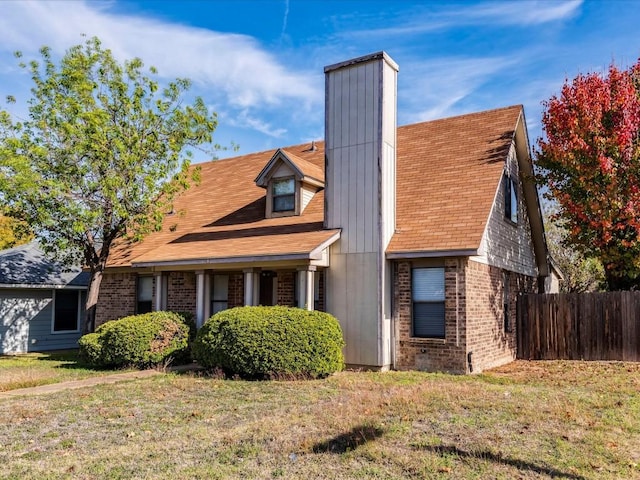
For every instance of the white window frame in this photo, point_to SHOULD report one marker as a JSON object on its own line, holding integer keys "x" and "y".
{"x": 78, "y": 312}
{"x": 294, "y": 194}
{"x": 213, "y": 299}
{"x": 510, "y": 199}
{"x": 138, "y": 290}
{"x": 439, "y": 300}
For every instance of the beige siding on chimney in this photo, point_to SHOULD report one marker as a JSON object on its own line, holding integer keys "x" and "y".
{"x": 360, "y": 128}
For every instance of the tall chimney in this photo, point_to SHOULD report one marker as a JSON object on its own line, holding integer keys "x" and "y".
{"x": 360, "y": 198}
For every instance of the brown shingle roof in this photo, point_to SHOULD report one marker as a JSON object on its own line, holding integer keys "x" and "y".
{"x": 448, "y": 172}
{"x": 447, "y": 175}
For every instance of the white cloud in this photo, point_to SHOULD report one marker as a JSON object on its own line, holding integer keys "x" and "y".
{"x": 432, "y": 89}
{"x": 232, "y": 65}
{"x": 522, "y": 13}
{"x": 431, "y": 19}
{"x": 244, "y": 119}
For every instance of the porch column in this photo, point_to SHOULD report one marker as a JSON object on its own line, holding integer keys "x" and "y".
{"x": 207, "y": 297}
{"x": 306, "y": 287}
{"x": 250, "y": 287}
{"x": 200, "y": 300}
{"x": 161, "y": 291}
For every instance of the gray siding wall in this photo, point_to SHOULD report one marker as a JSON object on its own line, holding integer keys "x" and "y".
{"x": 26, "y": 322}
{"x": 360, "y": 134}
{"x": 504, "y": 244}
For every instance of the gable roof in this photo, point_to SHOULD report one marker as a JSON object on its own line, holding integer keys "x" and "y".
{"x": 26, "y": 266}
{"x": 303, "y": 169}
{"x": 448, "y": 172}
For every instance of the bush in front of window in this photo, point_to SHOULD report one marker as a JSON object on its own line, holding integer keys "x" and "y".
{"x": 139, "y": 340}
{"x": 271, "y": 342}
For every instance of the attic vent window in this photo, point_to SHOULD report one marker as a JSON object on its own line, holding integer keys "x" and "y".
{"x": 284, "y": 195}
{"x": 510, "y": 199}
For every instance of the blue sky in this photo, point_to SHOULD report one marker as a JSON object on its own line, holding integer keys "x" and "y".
{"x": 259, "y": 64}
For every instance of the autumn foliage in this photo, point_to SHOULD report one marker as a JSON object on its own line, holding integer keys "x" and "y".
{"x": 590, "y": 162}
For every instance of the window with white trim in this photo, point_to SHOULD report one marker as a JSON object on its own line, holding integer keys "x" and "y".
{"x": 510, "y": 199}
{"x": 66, "y": 310}
{"x": 427, "y": 299}
{"x": 284, "y": 194}
{"x": 145, "y": 295}
{"x": 219, "y": 293}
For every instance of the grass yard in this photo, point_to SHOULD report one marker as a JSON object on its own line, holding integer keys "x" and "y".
{"x": 34, "y": 369}
{"x": 528, "y": 420}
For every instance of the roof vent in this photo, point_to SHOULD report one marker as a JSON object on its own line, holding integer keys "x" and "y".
{"x": 313, "y": 146}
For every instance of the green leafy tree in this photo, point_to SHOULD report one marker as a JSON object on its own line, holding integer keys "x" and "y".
{"x": 589, "y": 162}
{"x": 101, "y": 156}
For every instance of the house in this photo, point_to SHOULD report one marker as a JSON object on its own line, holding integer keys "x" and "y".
{"x": 41, "y": 303}
{"x": 416, "y": 238}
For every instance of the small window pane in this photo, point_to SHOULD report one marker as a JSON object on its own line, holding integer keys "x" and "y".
{"x": 66, "y": 311}
{"x": 514, "y": 202}
{"x": 145, "y": 288}
{"x": 428, "y": 320}
{"x": 218, "y": 307}
{"x": 145, "y": 294}
{"x": 283, "y": 187}
{"x": 428, "y": 284}
{"x": 284, "y": 203}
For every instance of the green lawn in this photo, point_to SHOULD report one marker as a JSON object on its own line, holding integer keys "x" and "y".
{"x": 33, "y": 369}
{"x": 527, "y": 420}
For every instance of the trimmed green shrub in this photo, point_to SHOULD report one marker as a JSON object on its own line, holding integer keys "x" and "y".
{"x": 267, "y": 342}
{"x": 139, "y": 340}
{"x": 90, "y": 348}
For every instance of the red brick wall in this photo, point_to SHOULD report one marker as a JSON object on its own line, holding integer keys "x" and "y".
{"x": 286, "y": 288}
{"x": 117, "y": 297}
{"x": 181, "y": 292}
{"x": 477, "y": 328}
{"x": 320, "y": 301}
{"x": 236, "y": 290}
{"x": 488, "y": 341}
{"x": 448, "y": 354}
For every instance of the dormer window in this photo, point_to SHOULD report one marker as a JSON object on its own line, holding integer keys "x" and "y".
{"x": 284, "y": 194}
{"x": 290, "y": 182}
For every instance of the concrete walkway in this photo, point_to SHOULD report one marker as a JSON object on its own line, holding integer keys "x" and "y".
{"x": 73, "y": 384}
{"x": 93, "y": 381}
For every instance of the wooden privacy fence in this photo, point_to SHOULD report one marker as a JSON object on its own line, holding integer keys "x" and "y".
{"x": 579, "y": 326}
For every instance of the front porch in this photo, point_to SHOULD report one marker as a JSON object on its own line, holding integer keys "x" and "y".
{"x": 205, "y": 292}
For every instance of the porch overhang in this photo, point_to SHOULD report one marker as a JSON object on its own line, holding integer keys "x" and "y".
{"x": 312, "y": 255}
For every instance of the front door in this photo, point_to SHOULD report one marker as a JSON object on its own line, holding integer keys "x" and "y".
{"x": 267, "y": 281}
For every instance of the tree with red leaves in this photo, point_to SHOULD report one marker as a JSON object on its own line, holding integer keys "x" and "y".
{"x": 590, "y": 164}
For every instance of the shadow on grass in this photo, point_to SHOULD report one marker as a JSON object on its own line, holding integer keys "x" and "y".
{"x": 70, "y": 359}
{"x": 350, "y": 440}
{"x": 497, "y": 458}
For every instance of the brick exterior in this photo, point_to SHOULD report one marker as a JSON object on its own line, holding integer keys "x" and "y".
{"x": 474, "y": 319}
{"x": 320, "y": 300}
{"x": 118, "y": 293}
{"x": 236, "y": 290}
{"x": 117, "y": 297}
{"x": 286, "y": 289}
{"x": 181, "y": 292}
{"x": 448, "y": 354}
